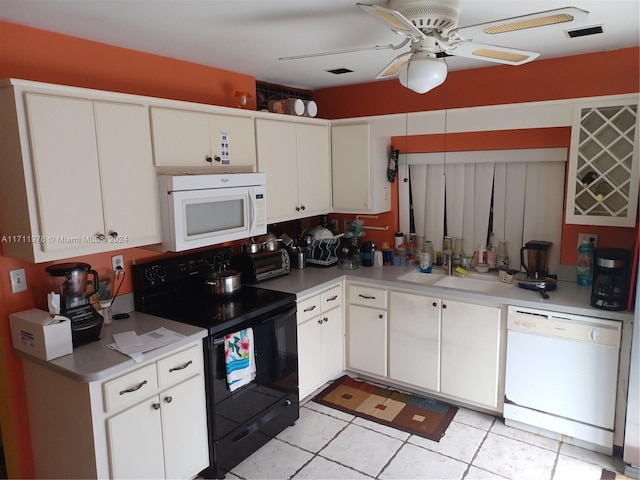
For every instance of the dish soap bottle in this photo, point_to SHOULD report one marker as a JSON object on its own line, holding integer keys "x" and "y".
{"x": 584, "y": 267}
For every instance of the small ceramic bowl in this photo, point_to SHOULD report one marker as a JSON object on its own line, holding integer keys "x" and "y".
{"x": 482, "y": 267}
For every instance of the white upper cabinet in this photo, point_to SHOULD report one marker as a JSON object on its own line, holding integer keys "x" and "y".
{"x": 183, "y": 138}
{"x": 77, "y": 174}
{"x": 603, "y": 168}
{"x": 359, "y": 164}
{"x": 296, "y": 160}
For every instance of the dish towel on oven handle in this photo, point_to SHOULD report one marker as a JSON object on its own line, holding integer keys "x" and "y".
{"x": 239, "y": 358}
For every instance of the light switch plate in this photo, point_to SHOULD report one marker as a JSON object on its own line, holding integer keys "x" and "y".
{"x": 18, "y": 280}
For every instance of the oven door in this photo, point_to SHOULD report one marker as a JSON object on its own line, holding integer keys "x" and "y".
{"x": 276, "y": 359}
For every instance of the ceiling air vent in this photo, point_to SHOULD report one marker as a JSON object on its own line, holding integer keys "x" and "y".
{"x": 584, "y": 31}
{"x": 340, "y": 71}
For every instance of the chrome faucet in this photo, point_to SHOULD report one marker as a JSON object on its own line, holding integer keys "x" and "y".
{"x": 447, "y": 263}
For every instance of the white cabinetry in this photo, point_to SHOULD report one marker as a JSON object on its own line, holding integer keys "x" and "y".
{"x": 296, "y": 159}
{"x": 77, "y": 173}
{"x": 367, "y": 330}
{"x": 414, "y": 339}
{"x": 149, "y": 422}
{"x": 320, "y": 339}
{"x": 359, "y": 162}
{"x": 183, "y": 138}
{"x": 472, "y": 337}
{"x": 603, "y": 164}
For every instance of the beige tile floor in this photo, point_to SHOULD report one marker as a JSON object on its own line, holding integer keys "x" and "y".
{"x": 329, "y": 444}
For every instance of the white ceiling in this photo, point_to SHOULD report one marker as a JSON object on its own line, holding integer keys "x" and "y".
{"x": 248, "y": 36}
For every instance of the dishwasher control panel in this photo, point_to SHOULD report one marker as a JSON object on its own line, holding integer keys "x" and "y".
{"x": 566, "y": 326}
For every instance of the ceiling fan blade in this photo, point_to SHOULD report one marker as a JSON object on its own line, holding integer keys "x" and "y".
{"x": 558, "y": 17}
{"x": 392, "y": 68}
{"x": 393, "y": 19}
{"x": 347, "y": 50}
{"x": 492, "y": 53}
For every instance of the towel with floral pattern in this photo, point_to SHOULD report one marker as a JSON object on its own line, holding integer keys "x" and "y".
{"x": 239, "y": 358}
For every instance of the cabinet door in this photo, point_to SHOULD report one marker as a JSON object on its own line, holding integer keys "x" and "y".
{"x": 314, "y": 168}
{"x": 367, "y": 340}
{"x": 603, "y": 164}
{"x": 414, "y": 340}
{"x": 180, "y": 138}
{"x": 332, "y": 343}
{"x": 470, "y": 352}
{"x": 129, "y": 185}
{"x": 135, "y": 442}
{"x": 351, "y": 166}
{"x": 233, "y": 140}
{"x": 67, "y": 177}
{"x": 276, "y": 144}
{"x": 184, "y": 429}
{"x": 309, "y": 355}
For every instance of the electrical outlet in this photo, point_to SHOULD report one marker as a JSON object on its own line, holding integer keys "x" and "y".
{"x": 589, "y": 237}
{"x": 18, "y": 280}
{"x": 117, "y": 262}
{"x": 333, "y": 225}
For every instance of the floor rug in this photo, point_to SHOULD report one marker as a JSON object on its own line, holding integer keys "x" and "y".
{"x": 410, "y": 413}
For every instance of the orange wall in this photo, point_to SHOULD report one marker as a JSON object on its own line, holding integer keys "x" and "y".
{"x": 38, "y": 55}
{"x": 553, "y": 79}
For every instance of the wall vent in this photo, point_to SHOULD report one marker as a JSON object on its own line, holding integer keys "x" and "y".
{"x": 340, "y": 71}
{"x": 585, "y": 31}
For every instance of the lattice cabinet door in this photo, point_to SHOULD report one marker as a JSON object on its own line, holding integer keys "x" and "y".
{"x": 603, "y": 163}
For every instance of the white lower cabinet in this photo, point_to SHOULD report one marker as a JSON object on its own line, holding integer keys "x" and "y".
{"x": 367, "y": 330}
{"x": 162, "y": 437}
{"x": 448, "y": 347}
{"x": 470, "y": 360}
{"x": 320, "y": 339}
{"x": 414, "y": 339}
{"x": 147, "y": 422}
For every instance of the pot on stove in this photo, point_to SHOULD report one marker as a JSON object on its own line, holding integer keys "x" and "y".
{"x": 224, "y": 283}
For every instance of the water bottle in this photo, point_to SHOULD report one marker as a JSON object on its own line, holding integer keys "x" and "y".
{"x": 584, "y": 267}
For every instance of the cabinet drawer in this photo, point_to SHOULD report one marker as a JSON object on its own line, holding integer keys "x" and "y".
{"x": 368, "y": 296}
{"x": 309, "y": 308}
{"x": 130, "y": 387}
{"x": 180, "y": 366}
{"x": 331, "y": 298}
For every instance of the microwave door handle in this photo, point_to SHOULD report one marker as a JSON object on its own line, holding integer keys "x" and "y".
{"x": 251, "y": 209}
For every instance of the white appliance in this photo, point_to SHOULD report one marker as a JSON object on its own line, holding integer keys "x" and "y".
{"x": 205, "y": 210}
{"x": 561, "y": 376}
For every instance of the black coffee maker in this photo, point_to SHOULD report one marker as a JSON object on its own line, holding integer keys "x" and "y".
{"x": 611, "y": 278}
{"x": 70, "y": 281}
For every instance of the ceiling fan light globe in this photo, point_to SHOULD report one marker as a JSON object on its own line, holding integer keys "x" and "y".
{"x": 423, "y": 73}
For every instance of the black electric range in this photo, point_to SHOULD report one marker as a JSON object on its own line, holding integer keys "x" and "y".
{"x": 239, "y": 421}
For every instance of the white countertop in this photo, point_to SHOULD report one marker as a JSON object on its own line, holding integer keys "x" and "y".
{"x": 567, "y": 298}
{"x": 95, "y": 361}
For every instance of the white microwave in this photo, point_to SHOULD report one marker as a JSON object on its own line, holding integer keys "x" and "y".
{"x": 204, "y": 210}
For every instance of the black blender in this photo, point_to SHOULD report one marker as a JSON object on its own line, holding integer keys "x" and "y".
{"x": 611, "y": 278}
{"x": 70, "y": 281}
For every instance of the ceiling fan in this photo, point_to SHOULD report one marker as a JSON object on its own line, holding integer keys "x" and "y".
{"x": 432, "y": 32}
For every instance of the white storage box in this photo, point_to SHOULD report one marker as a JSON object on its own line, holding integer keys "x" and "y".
{"x": 32, "y": 332}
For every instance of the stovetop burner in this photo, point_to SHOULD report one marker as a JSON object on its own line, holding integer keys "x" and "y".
{"x": 174, "y": 288}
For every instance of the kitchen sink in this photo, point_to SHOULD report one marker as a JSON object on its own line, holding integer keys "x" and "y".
{"x": 476, "y": 282}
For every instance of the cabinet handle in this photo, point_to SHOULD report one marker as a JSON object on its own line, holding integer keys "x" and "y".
{"x": 320, "y": 321}
{"x": 113, "y": 234}
{"x": 168, "y": 399}
{"x": 331, "y": 299}
{"x": 100, "y": 237}
{"x": 367, "y": 297}
{"x": 302, "y": 207}
{"x": 133, "y": 389}
{"x": 325, "y": 319}
{"x": 156, "y": 406}
{"x": 310, "y": 309}
{"x": 380, "y": 316}
{"x": 209, "y": 159}
{"x": 435, "y": 304}
{"x": 297, "y": 208}
{"x": 444, "y": 305}
{"x": 181, "y": 367}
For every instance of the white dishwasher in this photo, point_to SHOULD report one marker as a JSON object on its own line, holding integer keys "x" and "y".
{"x": 561, "y": 376}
